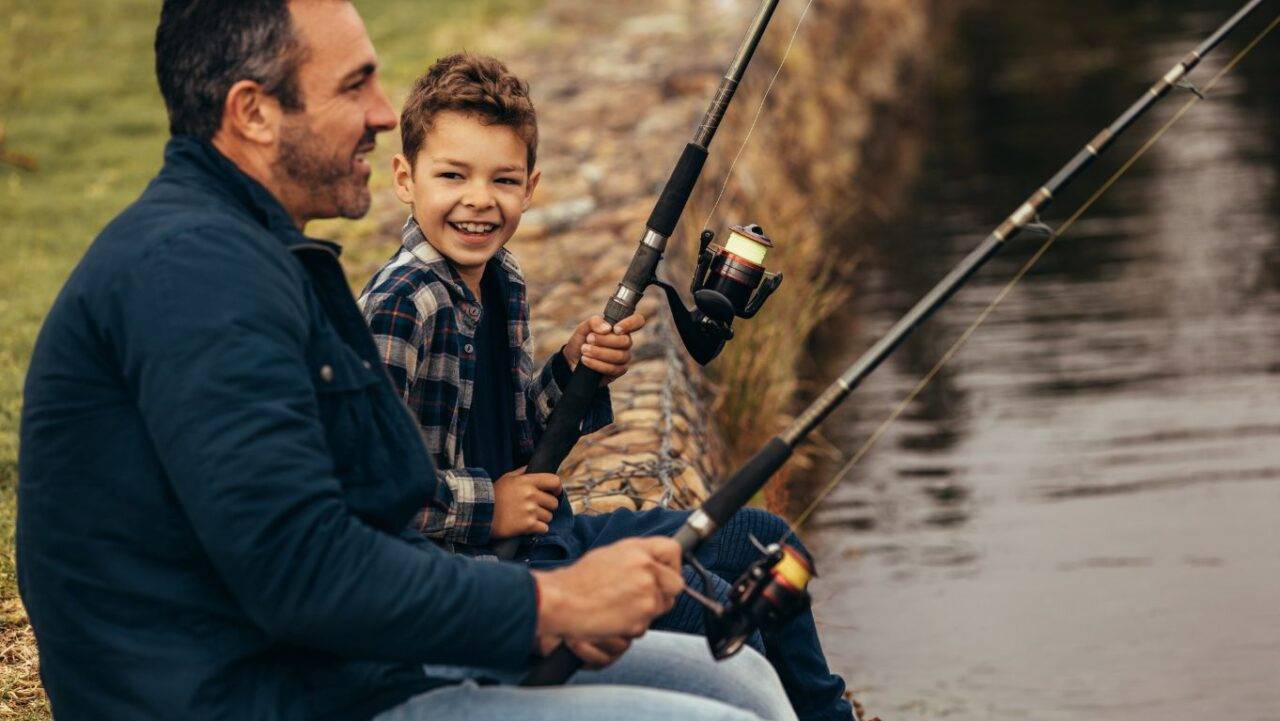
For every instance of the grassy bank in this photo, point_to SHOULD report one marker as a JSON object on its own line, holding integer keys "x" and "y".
{"x": 78, "y": 97}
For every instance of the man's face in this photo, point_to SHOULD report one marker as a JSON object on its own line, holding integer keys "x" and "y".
{"x": 322, "y": 166}
{"x": 469, "y": 186}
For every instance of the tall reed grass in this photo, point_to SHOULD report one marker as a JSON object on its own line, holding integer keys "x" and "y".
{"x": 803, "y": 176}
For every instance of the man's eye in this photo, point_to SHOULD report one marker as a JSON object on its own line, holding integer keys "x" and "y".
{"x": 356, "y": 87}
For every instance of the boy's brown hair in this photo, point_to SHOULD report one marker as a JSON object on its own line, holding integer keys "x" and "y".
{"x": 474, "y": 84}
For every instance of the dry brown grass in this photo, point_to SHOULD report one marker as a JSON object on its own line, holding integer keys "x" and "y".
{"x": 21, "y": 696}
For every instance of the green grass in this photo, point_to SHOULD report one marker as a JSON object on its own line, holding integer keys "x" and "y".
{"x": 78, "y": 94}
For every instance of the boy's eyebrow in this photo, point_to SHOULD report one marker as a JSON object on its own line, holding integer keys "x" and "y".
{"x": 464, "y": 164}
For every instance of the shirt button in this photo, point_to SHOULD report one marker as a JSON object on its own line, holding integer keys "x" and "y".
{"x": 473, "y": 311}
{"x": 326, "y": 373}
{"x": 469, "y": 348}
{"x": 367, "y": 365}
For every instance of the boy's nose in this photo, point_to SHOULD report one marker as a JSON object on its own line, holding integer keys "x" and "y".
{"x": 478, "y": 196}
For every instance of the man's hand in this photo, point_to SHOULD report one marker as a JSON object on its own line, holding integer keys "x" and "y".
{"x": 610, "y": 592}
{"x": 603, "y": 348}
{"x": 523, "y": 503}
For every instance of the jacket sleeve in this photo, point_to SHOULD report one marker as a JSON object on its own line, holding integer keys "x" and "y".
{"x": 547, "y": 387}
{"x": 214, "y": 346}
{"x": 469, "y": 519}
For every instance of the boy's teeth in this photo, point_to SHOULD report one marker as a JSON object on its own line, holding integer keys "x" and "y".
{"x": 475, "y": 227}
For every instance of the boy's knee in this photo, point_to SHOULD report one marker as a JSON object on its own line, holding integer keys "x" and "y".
{"x": 767, "y": 527}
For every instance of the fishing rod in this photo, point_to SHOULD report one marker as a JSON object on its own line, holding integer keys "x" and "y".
{"x": 730, "y": 279}
{"x": 773, "y": 587}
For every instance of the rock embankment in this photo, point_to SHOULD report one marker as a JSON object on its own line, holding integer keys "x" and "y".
{"x": 620, "y": 88}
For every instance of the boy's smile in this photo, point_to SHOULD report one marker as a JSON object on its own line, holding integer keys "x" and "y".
{"x": 468, "y": 187}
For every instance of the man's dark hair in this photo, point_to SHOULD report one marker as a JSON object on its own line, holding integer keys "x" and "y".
{"x": 203, "y": 47}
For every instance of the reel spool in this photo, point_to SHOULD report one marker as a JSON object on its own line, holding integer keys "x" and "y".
{"x": 730, "y": 281}
{"x": 770, "y": 592}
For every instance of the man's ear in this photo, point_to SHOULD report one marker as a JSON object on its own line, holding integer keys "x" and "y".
{"x": 252, "y": 114}
{"x": 534, "y": 177}
{"x": 402, "y": 178}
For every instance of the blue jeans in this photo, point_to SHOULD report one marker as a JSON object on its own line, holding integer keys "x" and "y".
{"x": 663, "y": 675}
{"x": 793, "y": 648}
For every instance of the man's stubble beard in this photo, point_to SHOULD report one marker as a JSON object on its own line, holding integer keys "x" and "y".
{"x": 328, "y": 186}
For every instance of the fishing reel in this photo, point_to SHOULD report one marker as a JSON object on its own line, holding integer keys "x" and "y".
{"x": 770, "y": 592}
{"x": 730, "y": 281}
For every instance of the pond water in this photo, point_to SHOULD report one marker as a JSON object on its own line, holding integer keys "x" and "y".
{"x": 1080, "y": 517}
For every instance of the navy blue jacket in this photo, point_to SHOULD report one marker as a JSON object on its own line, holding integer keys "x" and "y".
{"x": 215, "y": 478}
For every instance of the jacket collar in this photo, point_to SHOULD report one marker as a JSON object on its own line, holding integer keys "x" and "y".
{"x": 415, "y": 241}
{"x": 191, "y": 159}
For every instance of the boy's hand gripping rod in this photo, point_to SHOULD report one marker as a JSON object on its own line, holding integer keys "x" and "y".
{"x": 752, "y": 476}
{"x": 566, "y": 419}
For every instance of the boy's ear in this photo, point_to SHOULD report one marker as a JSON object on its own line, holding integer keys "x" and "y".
{"x": 534, "y": 177}
{"x": 402, "y": 178}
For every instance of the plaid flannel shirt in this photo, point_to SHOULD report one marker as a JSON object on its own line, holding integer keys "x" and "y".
{"x": 424, "y": 320}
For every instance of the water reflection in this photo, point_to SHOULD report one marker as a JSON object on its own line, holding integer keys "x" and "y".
{"x": 1077, "y": 515}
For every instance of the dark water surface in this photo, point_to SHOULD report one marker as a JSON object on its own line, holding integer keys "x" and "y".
{"x": 1080, "y": 518}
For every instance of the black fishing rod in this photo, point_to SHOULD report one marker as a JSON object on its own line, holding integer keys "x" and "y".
{"x": 756, "y": 472}
{"x": 730, "y": 280}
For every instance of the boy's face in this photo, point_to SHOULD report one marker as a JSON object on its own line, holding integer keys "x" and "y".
{"x": 468, "y": 188}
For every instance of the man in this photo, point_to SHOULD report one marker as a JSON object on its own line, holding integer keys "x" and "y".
{"x": 215, "y": 475}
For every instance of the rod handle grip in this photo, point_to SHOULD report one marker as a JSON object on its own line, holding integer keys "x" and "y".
{"x": 563, "y": 429}
{"x": 746, "y": 481}
{"x": 676, "y": 193}
{"x": 553, "y": 670}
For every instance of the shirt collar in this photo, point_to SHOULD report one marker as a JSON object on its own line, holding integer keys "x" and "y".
{"x": 415, "y": 241}
{"x": 191, "y": 158}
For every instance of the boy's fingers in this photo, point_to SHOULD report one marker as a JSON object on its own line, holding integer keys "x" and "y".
{"x": 546, "y": 500}
{"x": 606, "y": 341}
{"x": 602, "y": 354}
{"x": 599, "y": 324}
{"x": 548, "y": 482}
{"x": 605, "y": 369}
{"x": 630, "y": 324}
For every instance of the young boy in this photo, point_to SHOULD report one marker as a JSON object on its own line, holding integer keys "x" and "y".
{"x": 449, "y": 314}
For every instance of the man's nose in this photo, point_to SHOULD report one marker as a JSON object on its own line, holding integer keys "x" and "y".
{"x": 381, "y": 116}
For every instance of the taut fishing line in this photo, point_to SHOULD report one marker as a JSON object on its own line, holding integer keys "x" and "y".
{"x": 1044, "y": 248}
{"x": 759, "y": 111}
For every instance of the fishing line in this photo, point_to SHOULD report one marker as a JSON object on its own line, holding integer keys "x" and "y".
{"x": 759, "y": 110}
{"x": 1044, "y": 248}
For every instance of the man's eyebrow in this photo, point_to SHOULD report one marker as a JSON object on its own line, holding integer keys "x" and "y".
{"x": 361, "y": 72}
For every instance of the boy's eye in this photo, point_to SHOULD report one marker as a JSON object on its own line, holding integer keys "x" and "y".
{"x": 450, "y": 175}
{"x": 509, "y": 181}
